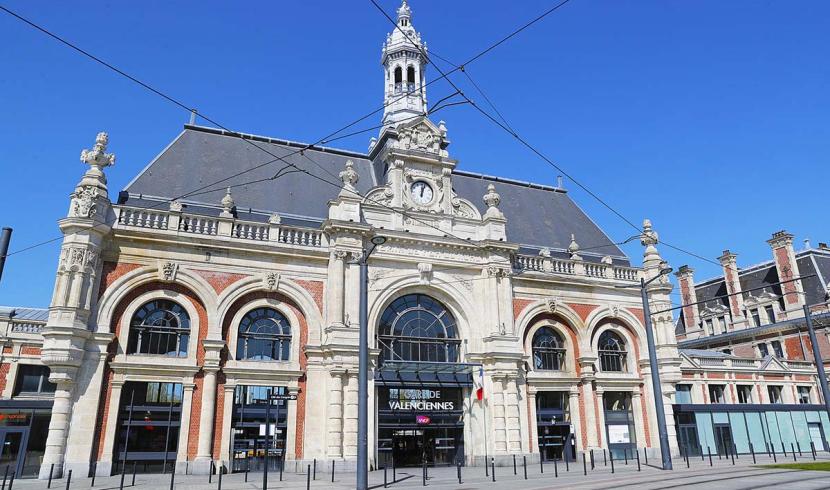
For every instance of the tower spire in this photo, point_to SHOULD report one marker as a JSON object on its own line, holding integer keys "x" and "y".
{"x": 404, "y": 65}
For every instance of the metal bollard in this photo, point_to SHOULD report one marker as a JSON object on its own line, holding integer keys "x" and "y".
{"x": 638, "y": 459}
{"x": 94, "y": 470}
{"x": 813, "y": 450}
{"x": 645, "y": 452}
{"x": 51, "y": 471}
{"x": 774, "y": 459}
{"x": 424, "y": 472}
{"x": 11, "y": 481}
{"x": 798, "y": 446}
{"x": 332, "y": 470}
{"x": 394, "y": 472}
{"x": 134, "y": 465}
{"x": 625, "y": 455}
{"x": 282, "y": 466}
{"x": 611, "y": 457}
{"x": 735, "y": 450}
{"x": 458, "y": 466}
{"x": 308, "y": 477}
{"x": 486, "y": 466}
{"x": 567, "y": 466}
{"x": 385, "y": 484}
{"x": 592, "y": 460}
{"x": 584, "y": 466}
{"x": 314, "y": 474}
{"x": 604, "y": 459}
{"x": 173, "y": 477}
{"x": 687, "y": 459}
{"x": 542, "y": 462}
{"x": 555, "y": 469}
{"x": 792, "y": 447}
{"x": 514, "y": 465}
{"x": 5, "y": 476}
{"x": 708, "y": 448}
{"x": 493, "y": 468}
{"x": 210, "y": 473}
{"x": 247, "y": 467}
{"x": 732, "y": 455}
{"x": 220, "y": 477}
{"x": 524, "y": 465}
{"x": 68, "y": 479}
{"x": 123, "y": 473}
{"x": 752, "y": 451}
{"x": 783, "y": 449}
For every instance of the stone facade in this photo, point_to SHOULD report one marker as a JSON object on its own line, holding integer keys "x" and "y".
{"x": 218, "y": 264}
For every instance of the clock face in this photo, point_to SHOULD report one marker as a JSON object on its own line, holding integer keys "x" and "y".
{"x": 421, "y": 192}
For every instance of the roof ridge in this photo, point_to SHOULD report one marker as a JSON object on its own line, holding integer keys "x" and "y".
{"x": 277, "y": 141}
{"x": 506, "y": 180}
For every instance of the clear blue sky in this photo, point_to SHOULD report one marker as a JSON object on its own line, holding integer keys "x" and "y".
{"x": 709, "y": 117}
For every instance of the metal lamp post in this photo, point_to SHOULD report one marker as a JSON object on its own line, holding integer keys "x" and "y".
{"x": 822, "y": 376}
{"x": 363, "y": 369}
{"x": 665, "y": 450}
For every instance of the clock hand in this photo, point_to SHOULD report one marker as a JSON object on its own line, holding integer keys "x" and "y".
{"x": 422, "y": 191}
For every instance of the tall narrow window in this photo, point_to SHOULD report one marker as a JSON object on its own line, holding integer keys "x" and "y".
{"x": 398, "y": 75}
{"x": 804, "y": 395}
{"x": 770, "y": 313}
{"x": 264, "y": 335}
{"x": 722, "y": 321}
{"x": 710, "y": 326}
{"x": 716, "y": 394}
{"x": 763, "y": 350}
{"x": 774, "y": 394}
{"x": 410, "y": 78}
{"x": 548, "y": 350}
{"x": 159, "y": 327}
{"x": 776, "y": 348}
{"x": 683, "y": 394}
{"x": 756, "y": 317}
{"x": 744, "y": 394}
{"x": 612, "y": 354}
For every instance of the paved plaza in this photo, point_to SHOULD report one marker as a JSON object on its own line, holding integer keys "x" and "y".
{"x": 721, "y": 475}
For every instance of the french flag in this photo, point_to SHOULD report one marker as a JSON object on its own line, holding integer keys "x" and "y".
{"x": 480, "y": 389}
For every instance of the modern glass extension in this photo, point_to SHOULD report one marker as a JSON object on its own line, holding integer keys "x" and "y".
{"x": 723, "y": 429}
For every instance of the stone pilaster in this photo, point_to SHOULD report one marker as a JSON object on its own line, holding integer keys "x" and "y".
{"x": 513, "y": 419}
{"x": 576, "y": 418}
{"x": 335, "y": 415}
{"x": 201, "y": 464}
{"x": 350, "y": 419}
{"x": 58, "y": 427}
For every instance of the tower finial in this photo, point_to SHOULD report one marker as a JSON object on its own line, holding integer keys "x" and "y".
{"x": 404, "y": 12}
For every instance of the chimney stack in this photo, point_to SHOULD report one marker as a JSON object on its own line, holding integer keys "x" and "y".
{"x": 784, "y": 256}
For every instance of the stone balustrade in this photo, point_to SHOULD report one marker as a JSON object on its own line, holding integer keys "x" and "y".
{"x": 750, "y": 364}
{"x": 234, "y": 229}
{"x": 538, "y": 263}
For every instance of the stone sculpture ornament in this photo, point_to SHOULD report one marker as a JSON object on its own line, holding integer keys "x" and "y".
{"x": 492, "y": 199}
{"x": 349, "y": 177}
{"x": 271, "y": 281}
{"x": 83, "y": 202}
{"x": 228, "y": 203}
{"x": 97, "y": 158}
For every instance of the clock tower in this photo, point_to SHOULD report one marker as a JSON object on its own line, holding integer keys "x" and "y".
{"x": 403, "y": 63}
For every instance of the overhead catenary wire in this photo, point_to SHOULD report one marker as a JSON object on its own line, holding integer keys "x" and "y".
{"x": 192, "y": 110}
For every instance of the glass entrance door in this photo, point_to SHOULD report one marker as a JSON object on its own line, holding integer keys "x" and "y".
{"x": 723, "y": 438}
{"x": 816, "y": 436}
{"x": 12, "y": 449}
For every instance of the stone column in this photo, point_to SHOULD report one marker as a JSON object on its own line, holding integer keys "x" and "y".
{"x": 201, "y": 464}
{"x": 513, "y": 417}
{"x": 600, "y": 408}
{"x": 227, "y": 422}
{"x": 639, "y": 419}
{"x": 533, "y": 428}
{"x": 335, "y": 416}
{"x": 58, "y": 427}
{"x": 576, "y": 418}
{"x": 105, "y": 463}
{"x": 336, "y": 287}
{"x": 499, "y": 419}
{"x": 588, "y": 401}
{"x": 184, "y": 427}
{"x": 291, "y": 422}
{"x": 350, "y": 419}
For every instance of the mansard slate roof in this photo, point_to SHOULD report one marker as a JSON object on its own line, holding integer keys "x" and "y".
{"x": 537, "y": 216}
{"x": 811, "y": 261}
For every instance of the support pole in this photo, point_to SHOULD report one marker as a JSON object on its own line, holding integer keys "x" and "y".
{"x": 362, "y": 381}
{"x": 665, "y": 451}
{"x": 5, "y": 238}
{"x": 822, "y": 375}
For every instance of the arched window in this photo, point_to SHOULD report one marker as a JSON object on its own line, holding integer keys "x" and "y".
{"x": 410, "y": 78}
{"x": 548, "y": 350}
{"x": 418, "y": 328}
{"x": 264, "y": 335}
{"x": 159, "y": 327}
{"x": 612, "y": 353}
{"x": 398, "y": 79}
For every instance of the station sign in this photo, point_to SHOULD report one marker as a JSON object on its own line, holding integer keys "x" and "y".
{"x": 422, "y": 399}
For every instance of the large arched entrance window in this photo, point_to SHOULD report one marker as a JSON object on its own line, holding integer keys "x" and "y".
{"x": 548, "y": 350}
{"x": 264, "y": 335}
{"x": 612, "y": 354}
{"x": 418, "y": 328}
{"x": 159, "y": 327}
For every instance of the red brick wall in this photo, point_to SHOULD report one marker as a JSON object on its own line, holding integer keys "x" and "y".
{"x": 582, "y": 414}
{"x": 30, "y": 350}
{"x": 219, "y": 281}
{"x": 583, "y": 310}
{"x": 792, "y": 346}
{"x": 111, "y": 272}
{"x": 195, "y": 416}
{"x": 597, "y": 409}
{"x": 782, "y": 263}
{"x": 520, "y": 304}
{"x": 315, "y": 289}
{"x": 7, "y": 349}
{"x": 4, "y": 375}
{"x": 743, "y": 376}
{"x": 219, "y": 416}
{"x": 646, "y": 426}
{"x": 743, "y": 350}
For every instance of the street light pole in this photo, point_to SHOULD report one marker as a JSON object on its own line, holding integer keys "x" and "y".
{"x": 665, "y": 451}
{"x": 822, "y": 376}
{"x": 5, "y": 237}
{"x": 363, "y": 369}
